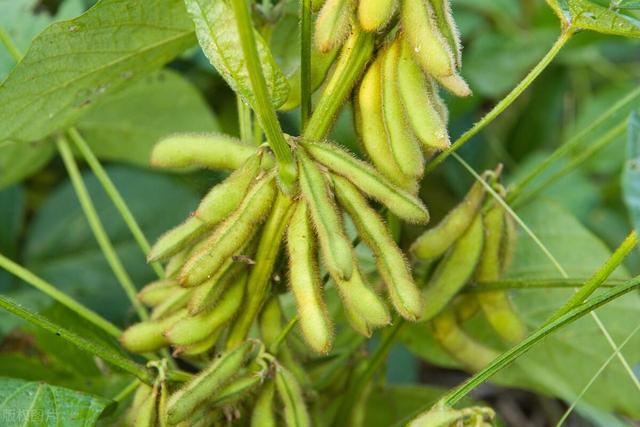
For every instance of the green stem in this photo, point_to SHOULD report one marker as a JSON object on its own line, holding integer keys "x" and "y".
{"x": 505, "y": 102}
{"x": 114, "y": 195}
{"x": 178, "y": 376}
{"x": 599, "y": 277}
{"x": 264, "y": 109}
{"x": 259, "y": 278}
{"x": 125, "y": 392}
{"x": 244, "y": 121}
{"x": 83, "y": 344}
{"x": 97, "y": 227}
{"x": 60, "y": 297}
{"x": 305, "y": 63}
{"x": 283, "y": 334}
{"x": 535, "y": 284}
{"x": 353, "y": 59}
{"x": 13, "y": 50}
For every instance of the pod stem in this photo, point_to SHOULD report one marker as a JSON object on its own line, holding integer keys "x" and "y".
{"x": 305, "y": 62}
{"x": 263, "y": 107}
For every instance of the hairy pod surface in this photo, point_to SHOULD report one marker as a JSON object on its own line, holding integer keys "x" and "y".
{"x": 448, "y": 28}
{"x": 454, "y": 271}
{"x": 214, "y": 151}
{"x": 430, "y": 48}
{"x": 208, "y": 294}
{"x": 333, "y": 24}
{"x": 421, "y": 102}
{"x": 370, "y": 182}
{"x": 176, "y": 262}
{"x": 236, "y": 390}
{"x": 403, "y": 292}
{"x": 263, "y": 414}
{"x": 176, "y": 239}
{"x": 404, "y": 145}
{"x": 231, "y": 236}
{"x": 184, "y": 401}
{"x": 142, "y": 393}
{"x": 174, "y": 302}
{"x": 145, "y": 337}
{"x": 304, "y": 282}
{"x": 146, "y": 414}
{"x": 374, "y": 15}
{"x": 371, "y": 127}
{"x": 435, "y": 241}
{"x": 334, "y": 245}
{"x": 156, "y": 292}
{"x": 295, "y": 409}
{"x": 193, "y": 329}
{"x": 455, "y": 84}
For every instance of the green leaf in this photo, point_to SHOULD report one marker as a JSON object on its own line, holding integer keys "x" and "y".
{"x": 19, "y": 161}
{"x": 586, "y": 15}
{"x": 218, "y": 35}
{"x": 73, "y": 64}
{"x": 631, "y": 175}
{"x": 25, "y": 403}
{"x": 125, "y": 126}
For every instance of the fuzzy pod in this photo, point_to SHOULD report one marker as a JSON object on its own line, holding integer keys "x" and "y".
{"x": 142, "y": 393}
{"x": 320, "y": 64}
{"x": 374, "y": 15}
{"x": 156, "y": 292}
{"x": 404, "y": 144}
{"x": 231, "y": 236}
{"x": 371, "y": 128}
{"x": 448, "y": 333}
{"x": 420, "y": 102}
{"x": 435, "y": 241}
{"x": 392, "y": 265}
{"x": 208, "y": 294}
{"x": 184, "y": 401}
{"x": 263, "y": 413}
{"x": 430, "y": 47}
{"x": 447, "y": 25}
{"x": 199, "y": 347}
{"x": 455, "y": 84}
{"x": 193, "y": 329}
{"x": 305, "y": 284}
{"x": 175, "y": 263}
{"x": 237, "y": 389}
{"x": 176, "y": 239}
{"x": 147, "y": 336}
{"x": 370, "y": 182}
{"x": 290, "y": 394}
{"x": 209, "y": 150}
{"x": 454, "y": 271}
{"x": 335, "y": 247}
{"x": 173, "y": 303}
{"x": 333, "y": 24}
{"x": 147, "y": 412}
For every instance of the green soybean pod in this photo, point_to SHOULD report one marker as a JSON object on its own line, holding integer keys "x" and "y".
{"x": 454, "y": 84}
{"x": 448, "y": 28}
{"x": 146, "y": 337}
{"x": 184, "y": 401}
{"x": 295, "y": 409}
{"x": 417, "y": 97}
{"x": 199, "y": 347}
{"x": 374, "y": 15}
{"x": 454, "y": 271}
{"x": 304, "y": 282}
{"x": 237, "y": 389}
{"x": 208, "y": 294}
{"x": 471, "y": 353}
{"x": 333, "y": 24}
{"x": 209, "y": 150}
{"x": 320, "y": 64}
{"x": 174, "y": 302}
{"x": 430, "y": 48}
{"x": 371, "y": 128}
{"x": 435, "y": 241}
{"x": 193, "y": 329}
{"x": 230, "y": 236}
{"x": 335, "y": 247}
{"x": 263, "y": 414}
{"x": 176, "y": 262}
{"x": 370, "y": 182}
{"x": 142, "y": 393}
{"x": 147, "y": 411}
{"x": 404, "y": 145}
{"x": 162, "y": 404}
{"x": 403, "y": 292}
{"x": 176, "y": 239}
{"x": 156, "y": 292}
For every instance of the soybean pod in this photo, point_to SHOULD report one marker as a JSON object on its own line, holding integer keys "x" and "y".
{"x": 263, "y": 414}
{"x": 373, "y": 15}
{"x": 147, "y": 336}
{"x": 333, "y": 24}
{"x": 295, "y": 409}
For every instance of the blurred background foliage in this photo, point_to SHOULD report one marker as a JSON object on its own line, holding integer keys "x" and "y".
{"x": 579, "y": 215}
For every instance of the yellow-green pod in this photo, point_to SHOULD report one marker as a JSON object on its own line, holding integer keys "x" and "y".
{"x": 374, "y": 15}
{"x": 320, "y": 64}
{"x": 435, "y": 241}
{"x": 404, "y": 145}
{"x": 316, "y": 5}
{"x": 403, "y": 292}
{"x": 184, "y": 401}
{"x": 176, "y": 262}
{"x": 334, "y": 245}
{"x": 455, "y": 84}
{"x": 199, "y": 347}
{"x": 430, "y": 48}
{"x": 295, "y": 409}
{"x": 371, "y": 127}
{"x": 448, "y": 333}
{"x": 208, "y": 150}
{"x": 420, "y": 102}
{"x": 208, "y": 294}
{"x": 333, "y": 24}
{"x": 142, "y": 393}
{"x": 370, "y": 181}
{"x": 193, "y": 329}
{"x": 146, "y": 337}
{"x": 176, "y": 239}
{"x": 263, "y": 414}
{"x": 162, "y": 404}
{"x": 304, "y": 282}
{"x": 146, "y": 414}
{"x": 174, "y": 302}
{"x": 231, "y": 236}
{"x": 448, "y": 28}
{"x": 156, "y": 292}
{"x": 454, "y": 271}
{"x": 237, "y": 389}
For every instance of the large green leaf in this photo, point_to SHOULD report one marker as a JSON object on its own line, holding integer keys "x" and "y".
{"x": 19, "y": 161}
{"x": 587, "y": 15}
{"x": 631, "y": 176}
{"x": 218, "y": 35}
{"x": 26, "y": 404}
{"x": 73, "y": 64}
{"x": 126, "y": 125}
